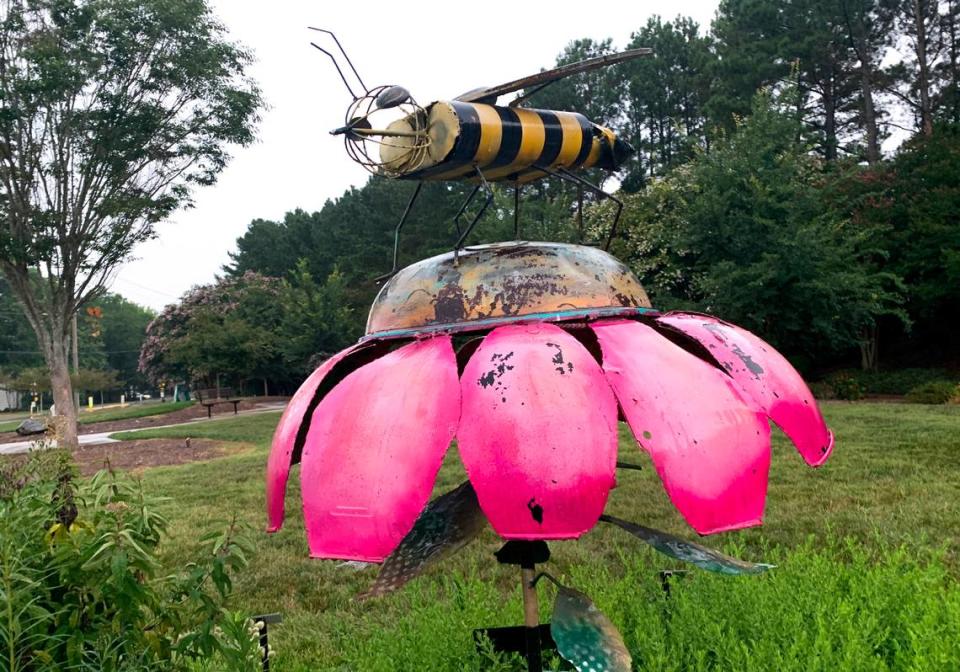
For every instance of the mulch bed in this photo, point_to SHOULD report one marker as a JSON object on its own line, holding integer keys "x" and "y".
{"x": 135, "y": 456}
{"x": 139, "y": 455}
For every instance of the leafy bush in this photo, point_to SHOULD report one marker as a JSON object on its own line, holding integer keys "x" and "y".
{"x": 933, "y": 392}
{"x": 846, "y": 387}
{"x": 899, "y": 381}
{"x": 80, "y": 587}
{"x": 822, "y": 390}
{"x": 896, "y": 381}
{"x": 927, "y": 386}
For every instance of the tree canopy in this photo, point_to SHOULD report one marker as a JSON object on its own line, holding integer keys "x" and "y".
{"x": 781, "y": 212}
{"x": 251, "y": 327}
{"x": 742, "y": 232}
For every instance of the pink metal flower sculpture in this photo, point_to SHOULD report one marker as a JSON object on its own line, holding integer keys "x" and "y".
{"x": 527, "y": 354}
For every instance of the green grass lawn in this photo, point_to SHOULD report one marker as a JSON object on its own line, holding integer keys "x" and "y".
{"x": 131, "y": 411}
{"x": 114, "y": 413}
{"x": 14, "y": 415}
{"x": 9, "y": 426}
{"x": 892, "y": 488}
{"x": 250, "y": 428}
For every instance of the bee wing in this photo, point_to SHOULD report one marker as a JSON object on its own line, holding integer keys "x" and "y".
{"x": 491, "y": 93}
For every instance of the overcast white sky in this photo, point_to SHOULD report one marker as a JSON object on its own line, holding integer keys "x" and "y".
{"x": 437, "y": 50}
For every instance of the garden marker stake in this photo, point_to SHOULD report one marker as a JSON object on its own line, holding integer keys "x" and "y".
{"x": 526, "y": 353}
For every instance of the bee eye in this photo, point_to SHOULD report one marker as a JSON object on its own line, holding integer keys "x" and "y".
{"x": 391, "y": 97}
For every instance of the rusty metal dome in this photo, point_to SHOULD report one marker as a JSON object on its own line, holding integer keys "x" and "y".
{"x": 487, "y": 285}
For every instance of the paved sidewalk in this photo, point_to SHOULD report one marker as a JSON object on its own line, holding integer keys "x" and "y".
{"x": 104, "y": 437}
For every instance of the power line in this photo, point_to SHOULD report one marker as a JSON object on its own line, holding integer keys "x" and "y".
{"x": 149, "y": 289}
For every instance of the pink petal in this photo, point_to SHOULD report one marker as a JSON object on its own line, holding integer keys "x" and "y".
{"x": 767, "y": 377}
{"x": 284, "y": 437}
{"x": 711, "y": 449}
{"x": 538, "y": 433}
{"x": 375, "y": 444}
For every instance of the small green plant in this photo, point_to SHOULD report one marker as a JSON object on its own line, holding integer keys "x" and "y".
{"x": 933, "y": 392}
{"x": 80, "y": 586}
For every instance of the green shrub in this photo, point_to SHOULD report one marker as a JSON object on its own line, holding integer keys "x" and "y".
{"x": 899, "y": 381}
{"x": 847, "y": 388}
{"x": 80, "y": 587}
{"x": 822, "y": 390}
{"x": 854, "y": 384}
{"x": 933, "y": 392}
{"x": 896, "y": 381}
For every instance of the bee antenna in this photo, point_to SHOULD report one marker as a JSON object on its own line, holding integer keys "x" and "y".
{"x": 337, "y": 66}
{"x": 349, "y": 62}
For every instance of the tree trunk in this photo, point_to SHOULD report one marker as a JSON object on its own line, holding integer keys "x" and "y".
{"x": 951, "y": 22}
{"x": 923, "y": 67}
{"x": 63, "y": 395}
{"x": 829, "y": 122}
{"x": 858, "y": 33}
{"x": 265, "y": 391}
{"x": 49, "y": 319}
{"x": 869, "y": 351}
{"x": 75, "y": 352}
{"x": 869, "y": 112}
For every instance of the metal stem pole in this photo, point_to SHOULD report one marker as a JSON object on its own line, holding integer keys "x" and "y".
{"x": 531, "y": 618}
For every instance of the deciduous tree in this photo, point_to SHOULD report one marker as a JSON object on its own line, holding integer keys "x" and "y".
{"x": 110, "y": 112}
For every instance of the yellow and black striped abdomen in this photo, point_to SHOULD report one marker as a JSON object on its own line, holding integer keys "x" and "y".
{"x": 509, "y": 143}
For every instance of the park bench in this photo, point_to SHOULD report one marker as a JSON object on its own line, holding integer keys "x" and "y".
{"x": 211, "y": 397}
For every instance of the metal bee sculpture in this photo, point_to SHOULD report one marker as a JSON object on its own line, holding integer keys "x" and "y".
{"x": 528, "y": 354}
{"x": 472, "y": 138}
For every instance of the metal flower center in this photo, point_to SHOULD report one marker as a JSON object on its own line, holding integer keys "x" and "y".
{"x": 488, "y": 285}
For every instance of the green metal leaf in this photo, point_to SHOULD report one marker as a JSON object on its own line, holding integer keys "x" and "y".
{"x": 585, "y": 637}
{"x": 688, "y": 551}
{"x": 446, "y": 525}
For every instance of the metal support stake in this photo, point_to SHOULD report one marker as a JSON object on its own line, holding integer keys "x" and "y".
{"x": 532, "y": 637}
{"x": 266, "y": 619}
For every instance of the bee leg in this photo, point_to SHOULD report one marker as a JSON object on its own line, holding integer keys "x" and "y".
{"x": 580, "y": 213}
{"x": 516, "y": 210}
{"x": 476, "y": 218}
{"x": 396, "y": 233}
{"x": 456, "y": 217}
{"x": 565, "y": 174}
